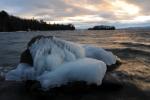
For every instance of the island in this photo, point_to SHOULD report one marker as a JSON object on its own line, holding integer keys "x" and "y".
{"x": 10, "y": 23}
{"x": 102, "y": 27}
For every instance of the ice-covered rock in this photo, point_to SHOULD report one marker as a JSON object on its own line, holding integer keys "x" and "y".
{"x": 48, "y": 53}
{"x": 21, "y": 73}
{"x": 55, "y": 62}
{"x": 100, "y": 54}
{"x": 86, "y": 69}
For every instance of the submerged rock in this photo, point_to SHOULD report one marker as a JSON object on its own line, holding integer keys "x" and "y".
{"x": 114, "y": 66}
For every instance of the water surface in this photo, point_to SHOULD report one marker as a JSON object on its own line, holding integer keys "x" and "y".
{"x": 13, "y": 43}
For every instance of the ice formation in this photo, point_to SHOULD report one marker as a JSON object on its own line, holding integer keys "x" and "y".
{"x": 86, "y": 69}
{"x": 48, "y": 53}
{"x": 100, "y": 54}
{"x": 57, "y": 62}
{"x": 21, "y": 73}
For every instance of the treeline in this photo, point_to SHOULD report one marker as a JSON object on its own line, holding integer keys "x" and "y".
{"x": 13, "y": 23}
{"x": 102, "y": 27}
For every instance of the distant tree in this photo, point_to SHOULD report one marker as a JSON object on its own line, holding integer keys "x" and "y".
{"x": 12, "y": 23}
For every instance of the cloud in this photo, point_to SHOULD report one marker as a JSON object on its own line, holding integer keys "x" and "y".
{"x": 81, "y": 12}
{"x": 143, "y": 4}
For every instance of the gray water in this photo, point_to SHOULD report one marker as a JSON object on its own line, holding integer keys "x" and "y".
{"x": 121, "y": 42}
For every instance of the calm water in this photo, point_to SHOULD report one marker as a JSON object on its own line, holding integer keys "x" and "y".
{"x": 13, "y": 43}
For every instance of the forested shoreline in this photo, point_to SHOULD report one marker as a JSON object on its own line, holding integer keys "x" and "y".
{"x": 10, "y": 23}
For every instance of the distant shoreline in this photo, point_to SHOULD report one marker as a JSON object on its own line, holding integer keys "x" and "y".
{"x": 12, "y": 23}
{"x": 73, "y": 30}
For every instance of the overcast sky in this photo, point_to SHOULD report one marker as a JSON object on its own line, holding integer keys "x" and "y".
{"x": 82, "y": 13}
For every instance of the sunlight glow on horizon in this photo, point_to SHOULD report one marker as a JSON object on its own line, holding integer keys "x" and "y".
{"x": 118, "y": 7}
{"x": 79, "y": 12}
{"x": 123, "y": 7}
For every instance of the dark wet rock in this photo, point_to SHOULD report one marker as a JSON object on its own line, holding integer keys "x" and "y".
{"x": 26, "y": 57}
{"x": 37, "y": 38}
{"x": 2, "y": 78}
{"x": 75, "y": 87}
{"x": 34, "y": 39}
{"x": 13, "y": 90}
{"x": 32, "y": 85}
{"x": 109, "y": 83}
{"x": 114, "y": 66}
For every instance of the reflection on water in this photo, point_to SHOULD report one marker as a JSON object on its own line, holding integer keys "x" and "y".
{"x": 13, "y": 43}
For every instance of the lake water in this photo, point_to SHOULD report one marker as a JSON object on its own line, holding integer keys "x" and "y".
{"x": 131, "y": 46}
{"x": 117, "y": 41}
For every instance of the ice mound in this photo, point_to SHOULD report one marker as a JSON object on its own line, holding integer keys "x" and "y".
{"x": 100, "y": 54}
{"x": 57, "y": 62}
{"x": 21, "y": 73}
{"x": 86, "y": 69}
{"x": 48, "y": 53}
